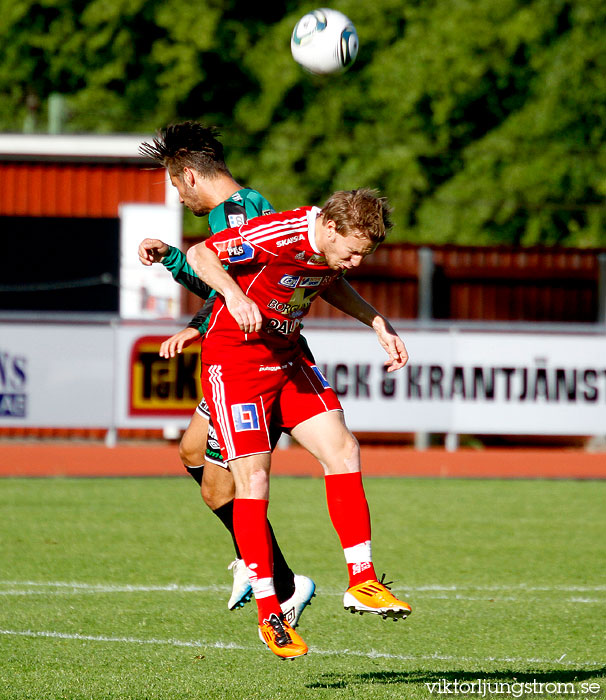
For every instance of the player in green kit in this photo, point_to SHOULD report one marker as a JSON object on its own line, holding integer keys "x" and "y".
{"x": 194, "y": 158}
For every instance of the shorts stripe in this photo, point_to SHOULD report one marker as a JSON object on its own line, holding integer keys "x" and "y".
{"x": 310, "y": 379}
{"x": 218, "y": 390}
{"x": 264, "y": 418}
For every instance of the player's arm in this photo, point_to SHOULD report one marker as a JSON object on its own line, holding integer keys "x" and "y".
{"x": 153, "y": 250}
{"x": 344, "y": 297}
{"x": 196, "y": 328}
{"x": 209, "y": 268}
{"x": 177, "y": 342}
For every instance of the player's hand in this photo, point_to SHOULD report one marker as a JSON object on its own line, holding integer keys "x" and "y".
{"x": 152, "y": 250}
{"x": 245, "y": 312}
{"x": 175, "y": 344}
{"x": 392, "y": 344}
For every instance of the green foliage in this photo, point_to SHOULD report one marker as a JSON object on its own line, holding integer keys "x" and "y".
{"x": 484, "y": 122}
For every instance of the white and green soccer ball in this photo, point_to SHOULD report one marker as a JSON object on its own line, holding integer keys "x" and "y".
{"x": 324, "y": 41}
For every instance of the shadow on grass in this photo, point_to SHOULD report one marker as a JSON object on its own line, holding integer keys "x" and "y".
{"x": 438, "y": 678}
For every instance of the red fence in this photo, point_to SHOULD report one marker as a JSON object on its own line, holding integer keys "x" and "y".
{"x": 75, "y": 189}
{"x": 477, "y": 283}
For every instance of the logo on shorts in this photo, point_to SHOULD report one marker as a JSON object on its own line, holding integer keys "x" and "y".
{"x": 321, "y": 377}
{"x": 245, "y": 416}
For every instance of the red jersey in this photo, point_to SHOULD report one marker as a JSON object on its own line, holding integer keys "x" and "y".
{"x": 275, "y": 261}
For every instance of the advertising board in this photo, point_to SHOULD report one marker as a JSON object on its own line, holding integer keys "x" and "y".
{"x": 462, "y": 382}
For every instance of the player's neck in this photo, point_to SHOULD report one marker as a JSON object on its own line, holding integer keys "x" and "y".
{"x": 223, "y": 188}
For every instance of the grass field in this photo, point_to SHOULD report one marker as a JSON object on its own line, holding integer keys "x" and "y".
{"x": 117, "y": 589}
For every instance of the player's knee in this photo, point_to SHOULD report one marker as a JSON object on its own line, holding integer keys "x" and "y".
{"x": 345, "y": 457}
{"x": 216, "y": 497}
{"x": 351, "y": 451}
{"x": 191, "y": 455}
{"x": 207, "y": 496}
{"x": 258, "y": 483}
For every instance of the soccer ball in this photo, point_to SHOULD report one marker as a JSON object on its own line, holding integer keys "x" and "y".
{"x": 324, "y": 41}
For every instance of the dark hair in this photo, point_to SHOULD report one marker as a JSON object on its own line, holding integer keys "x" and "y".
{"x": 360, "y": 212}
{"x": 188, "y": 144}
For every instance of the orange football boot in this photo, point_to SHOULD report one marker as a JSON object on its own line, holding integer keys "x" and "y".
{"x": 375, "y": 597}
{"x": 281, "y": 638}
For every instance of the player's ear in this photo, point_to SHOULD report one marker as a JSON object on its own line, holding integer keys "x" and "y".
{"x": 331, "y": 229}
{"x": 189, "y": 177}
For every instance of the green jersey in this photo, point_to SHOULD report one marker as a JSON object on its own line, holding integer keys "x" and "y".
{"x": 233, "y": 212}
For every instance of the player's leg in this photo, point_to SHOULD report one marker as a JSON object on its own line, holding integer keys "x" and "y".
{"x": 217, "y": 487}
{"x": 328, "y": 439}
{"x": 201, "y": 457}
{"x": 294, "y": 592}
{"x": 193, "y": 445}
{"x": 241, "y": 403}
{"x": 251, "y": 476}
{"x": 311, "y": 406}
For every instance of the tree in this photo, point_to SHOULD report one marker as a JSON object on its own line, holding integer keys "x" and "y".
{"x": 126, "y": 65}
{"x": 482, "y": 121}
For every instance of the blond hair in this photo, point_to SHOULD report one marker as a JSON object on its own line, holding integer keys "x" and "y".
{"x": 360, "y": 212}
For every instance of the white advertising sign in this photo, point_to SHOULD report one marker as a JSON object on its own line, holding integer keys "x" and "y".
{"x": 469, "y": 382}
{"x": 77, "y": 375}
{"x": 56, "y": 375}
{"x": 148, "y": 292}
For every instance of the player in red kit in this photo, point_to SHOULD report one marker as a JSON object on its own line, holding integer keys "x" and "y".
{"x": 254, "y": 371}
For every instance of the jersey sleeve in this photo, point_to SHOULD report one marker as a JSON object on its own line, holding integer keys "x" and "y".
{"x": 202, "y": 317}
{"x": 256, "y": 205}
{"x": 233, "y": 246}
{"x": 176, "y": 263}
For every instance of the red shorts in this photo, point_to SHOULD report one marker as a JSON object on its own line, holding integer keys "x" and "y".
{"x": 245, "y": 398}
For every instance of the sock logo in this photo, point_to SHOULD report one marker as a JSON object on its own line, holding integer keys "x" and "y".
{"x": 359, "y": 568}
{"x": 251, "y": 570}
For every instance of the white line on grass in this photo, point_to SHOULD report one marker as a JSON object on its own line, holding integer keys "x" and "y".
{"x": 125, "y": 640}
{"x": 180, "y": 588}
{"x": 321, "y": 592}
{"x": 431, "y": 592}
{"x": 229, "y": 646}
{"x": 114, "y": 588}
{"x": 511, "y": 587}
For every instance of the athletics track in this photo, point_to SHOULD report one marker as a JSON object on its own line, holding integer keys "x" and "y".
{"x": 22, "y": 459}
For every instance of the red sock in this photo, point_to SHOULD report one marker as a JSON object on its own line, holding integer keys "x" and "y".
{"x": 254, "y": 542}
{"x": 348, "y": 510}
